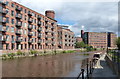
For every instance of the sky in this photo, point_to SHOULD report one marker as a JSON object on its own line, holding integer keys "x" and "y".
{"x": 92, "y": 16}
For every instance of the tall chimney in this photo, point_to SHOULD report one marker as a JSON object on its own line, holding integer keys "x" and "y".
{"x": 50, "y": 14}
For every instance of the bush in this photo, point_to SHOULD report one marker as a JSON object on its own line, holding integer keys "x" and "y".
{"x": 33, "y": 52}
{"x": 11, "y": 55}
{"x": 4, "y": 56}
{"x": 64, "y": 51}
{"x": 69, "y": 51}
{"x": 19, "y": 52}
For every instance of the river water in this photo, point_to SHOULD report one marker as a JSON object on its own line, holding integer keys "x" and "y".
{"x": 60, "y": 65}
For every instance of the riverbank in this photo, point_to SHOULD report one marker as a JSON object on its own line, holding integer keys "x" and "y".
{"x": 32, "y": 53}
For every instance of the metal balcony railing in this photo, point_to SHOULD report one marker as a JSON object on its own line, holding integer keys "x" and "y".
{"x": 30, "y": 20}
{"x": 19, "y": 16}
{"x": 18, "y": 8}
{"x": 30, "y": 13}
{"x": 39, "y": 23}
{"x": 18, "y": 32}
{"x": 19, "y": 24}
{"x": 29, "y": 27}
{"x": 18, "y": 40}
{"x": 39, "y": 17}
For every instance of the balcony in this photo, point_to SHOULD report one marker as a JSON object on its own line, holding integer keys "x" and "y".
{"x": 46, "y": 21}
{"x": 39, "y": 41}
{"x": 39, "y": 23}
{"x": 39, "y": 29}
{"x": 30, "y": 13}
{"x": 4, "y": 12}
{"x": 19, "y": 24}
{"x": 30, "y": 41}
{"x": 52, "y": 37}
{"x": 52, "y": 23}
{"x": 18, "y": 40}
{"x": 53, "y": 43}
{"x": 4, "y": 40}
{"x": 46, "y": 26}
{"x": 3, "y": 30}
{"x": 29, "y": 27}
{"x": 39, "y": 17}
{"x": 52, "y": 28}
{"x": 13, "y": 41}
{"x": 4, "y": 3}
{"x": 30, "y": 34}
{"x": 30, "y": 20}
{"x": 47, "y": 31}
{"x": 4, "y": 21}
{"x": 18, "y": 32}
{"x": 39, "y": 35}
{"x": 18, "y": 9}
{"x": 18, "y": 16}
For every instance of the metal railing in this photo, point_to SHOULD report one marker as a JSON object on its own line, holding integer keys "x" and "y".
{"x": 115, "y": 56}
{"x": 87, "y": 70}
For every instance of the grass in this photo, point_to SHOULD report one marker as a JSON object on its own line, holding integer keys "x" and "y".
{"x": 33, "y": 53}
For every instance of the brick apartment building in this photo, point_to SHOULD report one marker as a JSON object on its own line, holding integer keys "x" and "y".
{"x": 78, "y": 39}
{"x": 99, "y": 39}
{"x": 25, "y": 29}
{"x": 95, "y": 39}
{"x": 66, "y": 38}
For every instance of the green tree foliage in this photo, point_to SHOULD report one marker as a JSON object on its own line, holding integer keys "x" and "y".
{"x": 118, "y": 42}
{"x": 80, "y": 44}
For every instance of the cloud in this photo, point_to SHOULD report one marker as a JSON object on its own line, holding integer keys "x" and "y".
{"x": 94, "y": 16}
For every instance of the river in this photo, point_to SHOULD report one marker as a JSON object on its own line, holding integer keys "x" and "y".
{"x": 60, "y": 65}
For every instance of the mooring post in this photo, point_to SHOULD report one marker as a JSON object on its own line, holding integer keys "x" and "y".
{"x": 90, "y": 67}
{"x": 87, "y": 70}
{"x": 82, "y": 70}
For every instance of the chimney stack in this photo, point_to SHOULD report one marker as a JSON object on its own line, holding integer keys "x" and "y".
{"x": 50, "y": 14}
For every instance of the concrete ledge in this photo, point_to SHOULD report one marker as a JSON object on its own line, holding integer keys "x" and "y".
{"x": 112, "y": 65}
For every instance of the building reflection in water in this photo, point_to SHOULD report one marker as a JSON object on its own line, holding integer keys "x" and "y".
{"x": 42, "y": 66}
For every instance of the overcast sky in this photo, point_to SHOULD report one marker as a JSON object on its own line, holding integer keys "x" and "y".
{"x": 89, "y": 16}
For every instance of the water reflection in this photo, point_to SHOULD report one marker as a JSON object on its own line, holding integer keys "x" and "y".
{"x": 62, "y": 65}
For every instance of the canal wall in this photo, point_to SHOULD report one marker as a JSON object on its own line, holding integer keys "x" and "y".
{"x": 112, "y": 65}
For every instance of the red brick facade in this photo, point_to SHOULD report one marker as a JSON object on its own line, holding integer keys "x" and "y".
{"x": 66, "y": 38}
{"x": 25, "y": 29}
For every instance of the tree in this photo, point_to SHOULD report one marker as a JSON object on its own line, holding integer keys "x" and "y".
{"x": 118, "y": 42}
{"x": 80, "y": 44}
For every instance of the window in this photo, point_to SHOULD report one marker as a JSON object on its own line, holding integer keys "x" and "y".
{"x": 7, "y": 19}
{"x": 12, "y": 29}
{"x": 7, "y": 46}
{"x": 12, "y": 21}
{"x": 25, "y": 17}
{"x": 7, "y": 10}
{"x": 12, "y": 37}
{"x": 25, "y": 11}
{"x": 35, "y": 20}
{"x": 7, "y": 37}
{"x": 25, "y": 32}
{"x": 21, "y": 8}
{"x": 25, "y": 25}
{"x": 12, "y": 5}
{"x": 7, "y": 3}
{"x": 12, "y": 13}
{"x": 7, "y": 28}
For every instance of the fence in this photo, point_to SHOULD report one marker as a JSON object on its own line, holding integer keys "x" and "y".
{"x": 87, "y": 70}
{"x": 115, "y": 56}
